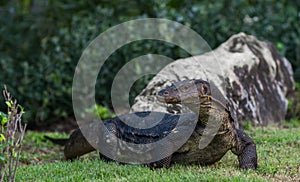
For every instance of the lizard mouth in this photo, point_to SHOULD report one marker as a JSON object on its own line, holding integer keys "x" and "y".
{"x": 203, "y": 100}
{"x": 160, "y": 98}
{"x": 168, "y": 100}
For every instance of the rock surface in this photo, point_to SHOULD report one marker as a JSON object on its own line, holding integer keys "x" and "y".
{"x": 251, "y": 74}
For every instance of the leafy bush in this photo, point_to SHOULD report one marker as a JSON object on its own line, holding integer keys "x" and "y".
{"x": 41, "y": 41}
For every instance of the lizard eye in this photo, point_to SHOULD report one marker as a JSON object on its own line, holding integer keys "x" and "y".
{"x": 166, "y": 93}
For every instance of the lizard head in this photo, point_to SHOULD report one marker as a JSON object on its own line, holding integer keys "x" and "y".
{"x": 194, "y": 91}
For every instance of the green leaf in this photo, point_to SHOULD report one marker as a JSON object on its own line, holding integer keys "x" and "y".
{"x": 21, "y": 108}
{"x": 14, "y": 153}
{"x": 9, "y": 104}
{"x": 3, "y": 118}
{"x": 3, "y": 121}
{"x": 2, "y": 114}
{"x": 2, "y": 137}
{"x": 280, "y": 45}
{"x": 2, "y": 158}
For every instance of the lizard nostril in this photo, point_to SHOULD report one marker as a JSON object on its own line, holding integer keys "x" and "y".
{"x": 166, "y": 93}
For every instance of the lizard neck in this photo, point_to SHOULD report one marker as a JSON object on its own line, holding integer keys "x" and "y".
{"x": 201, "y": 110}
{"x": 207, "y": 109}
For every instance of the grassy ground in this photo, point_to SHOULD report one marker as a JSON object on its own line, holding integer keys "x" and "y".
{"x": 278, "y": 151}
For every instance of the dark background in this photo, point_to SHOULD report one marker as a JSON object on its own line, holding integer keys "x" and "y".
{"x": 41, "y": 42}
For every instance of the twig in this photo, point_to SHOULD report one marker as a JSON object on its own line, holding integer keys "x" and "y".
{"x": 14, "y": 133}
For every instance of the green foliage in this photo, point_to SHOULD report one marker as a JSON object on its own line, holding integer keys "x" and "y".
{"x": 293, "y": 110}
{"x": 41, "y": 41}
{"x": 292, "y": 123}
{"x": 3, "y": 119}
{"x": 2, "y": 138}
{"x": 102, "y": 112}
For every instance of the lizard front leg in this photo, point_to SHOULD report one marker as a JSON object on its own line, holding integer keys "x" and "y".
{"x": 246, "y": 151}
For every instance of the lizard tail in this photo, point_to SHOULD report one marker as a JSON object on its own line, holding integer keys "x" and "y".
{"x": 57, "y": 141}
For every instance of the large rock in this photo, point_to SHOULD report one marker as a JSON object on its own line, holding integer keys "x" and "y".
{"x": 251, "y": 74}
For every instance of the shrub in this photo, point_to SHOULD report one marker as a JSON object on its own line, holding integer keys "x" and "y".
{"x": 41, "y": 41}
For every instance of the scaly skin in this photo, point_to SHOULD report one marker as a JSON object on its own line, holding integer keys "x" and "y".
{"x": 210, "y": 106}
{"x": 212, "y": 109}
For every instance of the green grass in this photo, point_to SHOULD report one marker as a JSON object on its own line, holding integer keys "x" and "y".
{"x": 278, "y": 152}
